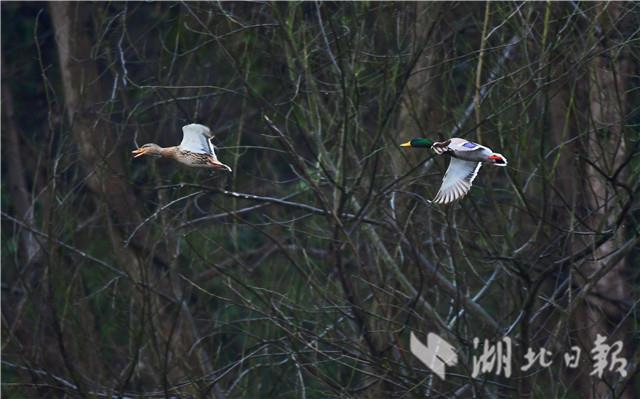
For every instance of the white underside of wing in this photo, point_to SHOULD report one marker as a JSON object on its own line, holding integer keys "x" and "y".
{"x": 457, "y": 180}
{"x": 196, "y": 138}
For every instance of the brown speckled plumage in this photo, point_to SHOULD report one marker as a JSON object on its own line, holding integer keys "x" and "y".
{"x": 194, "y": 159}
{"x": 195, "y": 150}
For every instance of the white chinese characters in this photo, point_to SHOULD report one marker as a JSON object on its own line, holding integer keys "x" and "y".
{"x": 542, "y": 357}
{"x": 600, "y": 357}
{"x": 496, "y": 356}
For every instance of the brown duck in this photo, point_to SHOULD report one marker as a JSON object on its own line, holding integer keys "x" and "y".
{"x": 195, "y": 150}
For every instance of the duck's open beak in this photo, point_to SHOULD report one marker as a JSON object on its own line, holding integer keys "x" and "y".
{"x": 407, "y": 144}
{"x": 139, "y": 152}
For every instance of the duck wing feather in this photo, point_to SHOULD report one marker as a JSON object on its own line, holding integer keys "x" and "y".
{"x": 457, "y": 180}
{"x": 196, "y": 138}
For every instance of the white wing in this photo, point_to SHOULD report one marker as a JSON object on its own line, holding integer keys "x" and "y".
{"x": 196, "y": 138}
{"x": 457, "y": 180}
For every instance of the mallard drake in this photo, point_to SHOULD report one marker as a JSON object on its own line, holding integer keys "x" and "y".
{"x": 466, "y": 159}
{"x": 195, "y": 150}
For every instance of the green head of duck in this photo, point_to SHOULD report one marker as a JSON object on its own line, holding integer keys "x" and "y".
{"x": 418, "y": 143}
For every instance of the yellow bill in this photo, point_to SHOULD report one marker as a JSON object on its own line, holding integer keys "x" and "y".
{"x": 139, "y": 152}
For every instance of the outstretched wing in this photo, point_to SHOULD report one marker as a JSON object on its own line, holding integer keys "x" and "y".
{"x": 196, "y": 138}
{"x": 457, "y": 180}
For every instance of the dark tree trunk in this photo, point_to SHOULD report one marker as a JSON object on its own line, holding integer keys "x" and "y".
{"x": 106, "y": 177}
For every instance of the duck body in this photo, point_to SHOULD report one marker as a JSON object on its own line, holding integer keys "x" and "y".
{"x": 466, "y": 159}
{"x": 196, "y": 149}
{"x": 468, "y": 151}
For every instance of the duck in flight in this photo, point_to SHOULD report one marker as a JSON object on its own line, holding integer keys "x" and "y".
{"x": 466, "y": 159}
{"x": 195, "y": 150}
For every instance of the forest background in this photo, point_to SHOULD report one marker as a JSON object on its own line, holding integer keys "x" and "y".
{"x": 303, "y": 273}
